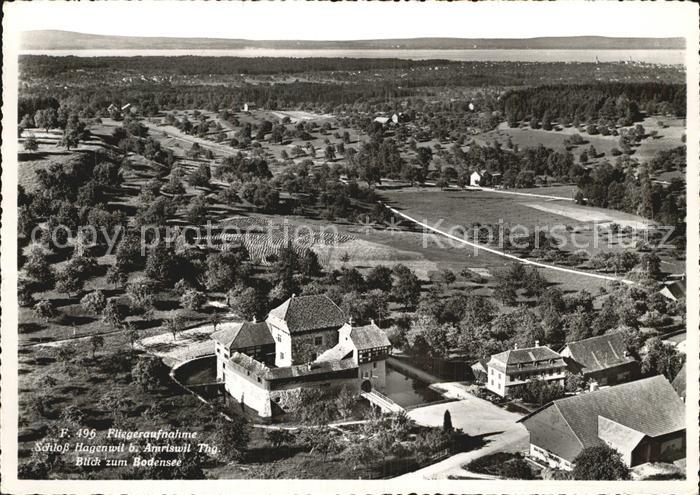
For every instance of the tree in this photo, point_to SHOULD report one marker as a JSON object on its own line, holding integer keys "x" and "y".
{"x": 279, "y": 437}
{"x": 406, "y": 289}
{"x": 45, "y": 310}
{"x": 600, "y": 462}
{"x": 25, "y": 293}
{"x": 224, "y": 269}
{"x": 94, "y": 302}
{"x": 309, "y": 264}
{"x": 112, "y": 314}
{"x": 662, "y": 359}
{"x": 107, "y": 174}
{"x": 73, "y": 133}
{"x": 132, "y": 334}
{"x": 73, "y": 415}
{"x": 38, "y": 268}
{"x": 116, "y": 276}
{"x": 379, "y": 277}
{"x": 149, "y": 373}
{"x": 193, "y": 299}
{"x": 30, "y": 143}
{"x": 447, "y": 422}
{"x": 516, "y": 469}
{"x": 128, "y": 256}
{"x": 141, "y": 294}
{"x": 232, "y": 438}
{"x": 246, "y": 302}
{"x": 197, "y": 212}
{"x": 46, "y": 118}
{"x": 174, "y": 324}
{"x": 96, "y": 341}
{"x": 361, "y": 453}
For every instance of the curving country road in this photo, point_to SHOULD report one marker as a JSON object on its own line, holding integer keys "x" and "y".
{"x": 507, "y": 255}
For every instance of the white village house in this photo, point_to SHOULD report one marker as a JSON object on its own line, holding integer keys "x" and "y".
{"x": 516, "y": 367}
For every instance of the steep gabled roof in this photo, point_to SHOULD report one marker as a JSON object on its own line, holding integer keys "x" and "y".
{"x": 676, "y": 288}
{"x": 649, "y": 406}
{"x": 369, "y": 337}
{"x": 526, "y": 355}
{"x": 599, "y": 353}
{"x": 307, "y": 313}
{"x": 242, "y": 335}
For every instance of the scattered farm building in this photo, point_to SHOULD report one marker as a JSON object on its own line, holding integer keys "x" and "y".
{"x": 604, "y": 359}
{"x": 644, "y": 420}
{"x": 679, "y": 383}
{"x": 517, "y": 367}
{"x": 674, "y": 290}
{"x": 484, "y": 178}
{"x": 393, "y": 119}
{"x": 480, "y": 371}
{"x": 306, "y": 342}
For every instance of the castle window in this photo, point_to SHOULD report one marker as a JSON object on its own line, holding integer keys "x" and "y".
{"x": 281, "y": 355}
{"x": 374, "y": 365}
{"x": 279, "y": 338}
{"x": 318, "y": 340}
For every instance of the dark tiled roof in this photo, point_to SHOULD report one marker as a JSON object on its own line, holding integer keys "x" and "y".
{"x": 527, "y": 359}
{"x": 679, "y": 382}
{"x": 369, "y": 337}
{"x": 677, "y": 288}
{"x": 649, "y": 406}
{"x": 242, "y": 335}
{"x": 526, "y": 355}
{"x": 599, "y": 353}
{"x": 306, "y": 313}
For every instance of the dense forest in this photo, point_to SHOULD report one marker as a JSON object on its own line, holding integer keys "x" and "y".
{"x": 608, "y": 104}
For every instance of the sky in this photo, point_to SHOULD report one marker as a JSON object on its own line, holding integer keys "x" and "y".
{"x": 357, "y": 20}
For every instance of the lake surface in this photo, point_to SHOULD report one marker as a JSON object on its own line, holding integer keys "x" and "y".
{"x": 477, "y": 55}
{"x": 407, "y": 391}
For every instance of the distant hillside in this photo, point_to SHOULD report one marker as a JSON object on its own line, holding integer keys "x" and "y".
{"x": 66, "y": 40}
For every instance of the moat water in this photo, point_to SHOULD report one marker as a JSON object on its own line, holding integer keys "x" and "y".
{"x": 407, "y": 391}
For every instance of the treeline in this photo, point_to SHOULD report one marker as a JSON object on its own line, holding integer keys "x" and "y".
{"x": 152, "y": 98}
{"x": 48, "y": 66}
{"x": 605, "y": 103}
{"x": 432, "y": 73}
{"x": 627, "y": 186}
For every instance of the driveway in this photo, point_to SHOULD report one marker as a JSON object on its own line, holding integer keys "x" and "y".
{"x": 477, "y": 417}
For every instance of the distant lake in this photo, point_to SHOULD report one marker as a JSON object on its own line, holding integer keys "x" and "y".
{"x": 674, "y": 57}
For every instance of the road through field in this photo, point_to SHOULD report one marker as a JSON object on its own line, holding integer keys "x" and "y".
{"x": 514, "y": 193}
{"x": 506, "y": 255}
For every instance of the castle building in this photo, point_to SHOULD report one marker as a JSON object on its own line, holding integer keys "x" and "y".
{"x": 304, "y": 343}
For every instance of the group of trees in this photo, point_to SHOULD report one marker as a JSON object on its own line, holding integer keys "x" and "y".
{"x": 606, "y": 104}
{"x": 628, "y": 186}
{"x": 473, "y": 327}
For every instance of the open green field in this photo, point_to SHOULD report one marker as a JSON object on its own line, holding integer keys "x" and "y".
{"x": 450, "y": 209}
